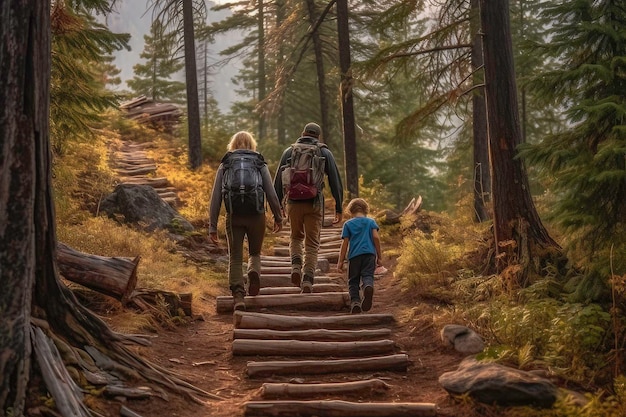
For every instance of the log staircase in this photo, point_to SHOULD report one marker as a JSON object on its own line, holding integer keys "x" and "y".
{"x": 310, "y": 355}
{"x": 133, "y": 166}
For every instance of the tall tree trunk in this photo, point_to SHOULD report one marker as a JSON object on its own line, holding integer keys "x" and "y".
{"x": 191, "y": 77}
{"x": 515, "y": 216}
{"x": 281, "y": 130}
{"x": 347, "y": 102}
{"x": 261, "y": 69}
{"x": 24, "y": 111}
{"x": 482, "y": 180}
{"x": 321, "y": 75}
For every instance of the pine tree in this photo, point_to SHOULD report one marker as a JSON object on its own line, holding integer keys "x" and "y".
{"x": 153, "y": 78}
{"x": 80, "y": 46}
{"x": 587, "y": 51}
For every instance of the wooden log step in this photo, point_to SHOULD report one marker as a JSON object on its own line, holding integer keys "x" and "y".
{"x": 312, "y": 334}
{"x": 322, "y": 264}
{"x": 153, "y": 182}
{"x": 284, "y": 280}
{"x": 321, "y": 301}
{"x": 397, "y": 362}
{"x": 367, "y": 386}
{"x": 253, "y": 320}
{"x": 135, "y": 165}
{"x": 317, "y": 288}
{"x": 135, "y": 172}
{"x": 336, "y": 408}
{"x": 303, "y": 348}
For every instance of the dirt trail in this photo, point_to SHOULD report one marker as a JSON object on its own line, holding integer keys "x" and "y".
{"x": 202, "y": 351}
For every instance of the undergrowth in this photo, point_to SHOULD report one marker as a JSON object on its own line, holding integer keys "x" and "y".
{"x": 536, "y": 328}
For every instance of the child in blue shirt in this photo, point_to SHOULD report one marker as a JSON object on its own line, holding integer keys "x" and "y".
{"x": 361, "y": 243}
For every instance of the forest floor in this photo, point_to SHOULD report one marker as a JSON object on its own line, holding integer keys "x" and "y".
{"x": 201, "y": 353}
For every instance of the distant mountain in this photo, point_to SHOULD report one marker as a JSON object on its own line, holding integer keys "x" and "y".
{"x": 132, "y": 17}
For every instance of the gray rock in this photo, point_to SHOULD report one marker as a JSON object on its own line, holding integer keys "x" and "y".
{"x": 463, "y": 339}
{"x": 491, "y": 383}
{"x": 142, "y": 205}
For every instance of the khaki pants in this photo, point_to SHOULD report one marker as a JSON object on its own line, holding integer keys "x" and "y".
{"x": 305, "y": 219}
{"x": 237, "y": 228}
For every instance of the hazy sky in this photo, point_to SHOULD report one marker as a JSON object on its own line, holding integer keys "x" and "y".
{"x": 131, "y": 17}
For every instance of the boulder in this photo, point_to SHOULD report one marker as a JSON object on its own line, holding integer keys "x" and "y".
{"x": 492, "y": 383}
{"x": 463, "y": 339}
{"x": 142, "y": 205}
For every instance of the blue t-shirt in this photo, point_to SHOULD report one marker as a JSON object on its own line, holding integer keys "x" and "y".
{"x": 359, "y": 231}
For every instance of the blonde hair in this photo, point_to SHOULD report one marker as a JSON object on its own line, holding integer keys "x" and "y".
{"x": 357, "y": 205}
{"x": 242, "y": 140}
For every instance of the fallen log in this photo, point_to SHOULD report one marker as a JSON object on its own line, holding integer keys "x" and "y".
{"x": 369, "y": 386}
{"x": 251, "y": 347}
{"x": 317, "y": 288}
{"x": 112, "y": 276}
{"x": 337, "y": 408}
{"x": 312, "y": 334}
{"x": 318, "y": 301}
{"x": 397, "y": 362}
{"x": 251, "y": 320}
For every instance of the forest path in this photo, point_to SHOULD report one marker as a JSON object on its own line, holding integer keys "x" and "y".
{"x": 130, "y": 161}
{"x": 394, "y": 349}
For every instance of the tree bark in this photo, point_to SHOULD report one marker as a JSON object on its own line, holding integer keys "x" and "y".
{"x": 191, "y": 77}
{"x": 337, "y": 408}
{"x": 261, "y": 68}
{"x": 321, "y": 73}
{"x": 24, "y": 111}
{"x": 368, "y": 386}
{"x": 398, "y": 362}
{"x": 482, "y": 180}
{"x": 248, "y": 347}
{"x": 115, "y": 276}
{"x": 347, "y": 101}
{"x": 515, "y": 216}
{"x": 247, "y": 320}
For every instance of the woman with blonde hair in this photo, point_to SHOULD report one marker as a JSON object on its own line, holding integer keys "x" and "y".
{"x": 242, "y": 182}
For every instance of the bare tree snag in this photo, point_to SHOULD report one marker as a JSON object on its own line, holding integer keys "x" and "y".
{"x": 398, "y": 362}
{"x": 250, "y": 320}
{"x": 318, "y": 301}
{"x": 112, "y": 276}
{"x": 312, "y": 334}
{"x": 336, "y": 408}
{"x": 368, "y": 386}
{"x": 249, "y": 347}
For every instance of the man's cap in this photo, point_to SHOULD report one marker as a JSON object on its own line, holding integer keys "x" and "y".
{"x": 313, "y": 129}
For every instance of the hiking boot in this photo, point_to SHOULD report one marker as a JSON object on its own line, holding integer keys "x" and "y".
{"x": 296, "y": 276}
{"x": 307, "y": 287}
{"x": 355, "y": 307}
{"x": 368, "y": 294}
{"x": 254, "y": 283}
{"x": 239, "y": 304}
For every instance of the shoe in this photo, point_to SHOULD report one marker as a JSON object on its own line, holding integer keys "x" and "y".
{"x": 307, "y": 287}
{"x": 239, "y": 304}
{"x": 368, "y": 294}
{"x": 296, "y": 276}
{"x": 254, "y": 283}
{"x": 355, "y": 307}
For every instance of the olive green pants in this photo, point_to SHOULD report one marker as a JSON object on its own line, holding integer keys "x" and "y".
{"x": 305, "y": 219}
{"x": 237, "y": 229}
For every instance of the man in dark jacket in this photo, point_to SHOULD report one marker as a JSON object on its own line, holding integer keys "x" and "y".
{"x": 306, "y": 216}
